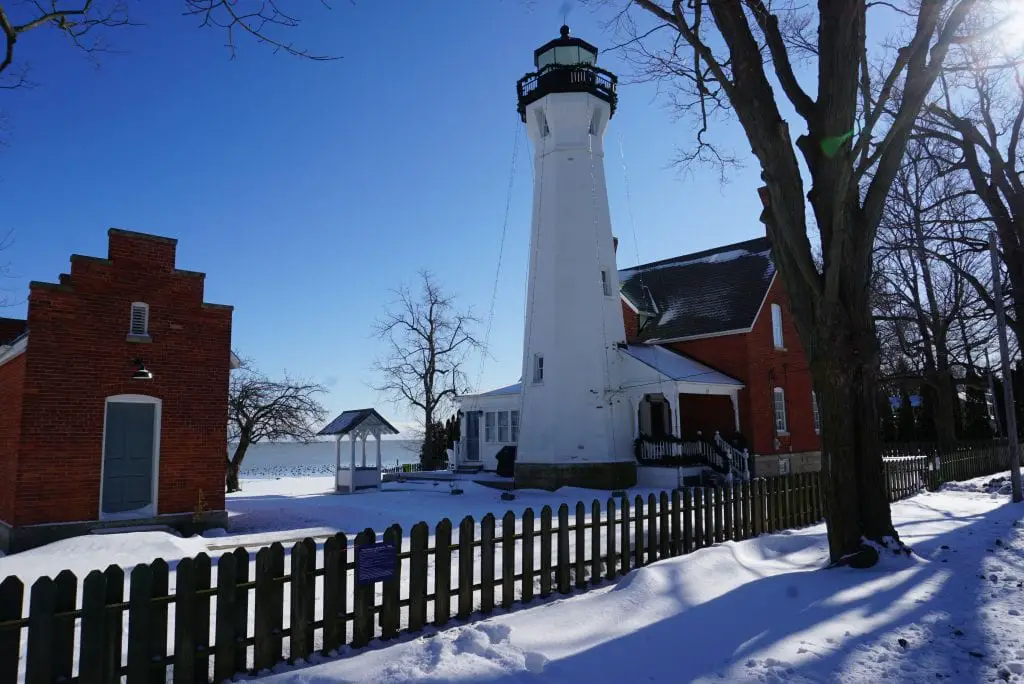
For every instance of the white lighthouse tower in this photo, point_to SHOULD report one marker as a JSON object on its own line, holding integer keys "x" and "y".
{"x": 575, "y": 423}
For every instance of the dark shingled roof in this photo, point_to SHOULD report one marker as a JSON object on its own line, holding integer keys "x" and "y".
{"x": 11, "y": 329}
{"x": 709, "y": 292}
{"x": 350, "y": 420}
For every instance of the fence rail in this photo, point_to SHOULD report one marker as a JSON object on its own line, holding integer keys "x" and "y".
{"x": 246, "y": 612}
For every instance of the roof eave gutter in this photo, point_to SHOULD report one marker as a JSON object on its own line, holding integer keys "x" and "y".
{"x": 14, "y": 350}
{"x": 690, "y": 338}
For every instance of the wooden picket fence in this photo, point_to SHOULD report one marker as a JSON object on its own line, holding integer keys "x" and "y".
{"x": 210, "y": 621}
{"x": 911, "y": 470}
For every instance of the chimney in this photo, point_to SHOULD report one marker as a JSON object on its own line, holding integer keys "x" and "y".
{"x": 615, "y": 244}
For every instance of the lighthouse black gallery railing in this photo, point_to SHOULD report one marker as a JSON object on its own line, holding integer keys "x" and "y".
{"x": 560, "y": 78}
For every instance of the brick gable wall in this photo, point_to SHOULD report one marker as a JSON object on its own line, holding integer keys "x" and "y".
{"x": 12, "y": 375}
{"x": 786, "y": 368}
{"x": 79, "y": 355}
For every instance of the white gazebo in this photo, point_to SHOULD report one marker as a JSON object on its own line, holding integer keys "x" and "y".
{"x": 358, "y": 425}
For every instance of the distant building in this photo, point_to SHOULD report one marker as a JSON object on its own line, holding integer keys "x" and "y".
{"x": 697, "y": 349}
{"x": 113, "y": 398}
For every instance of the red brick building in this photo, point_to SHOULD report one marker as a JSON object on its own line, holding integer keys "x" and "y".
{"x": 726, "y": 308}
{"x": 113, "y": 398}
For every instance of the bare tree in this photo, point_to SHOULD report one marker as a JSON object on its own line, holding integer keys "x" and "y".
{"x": 930, "y": 317}
{"x": 261, "y": 409}
{"x": 428, "y": 342}
{"x": 85, "y": 23}
{"x": 721, "y": 51}
{"x": 974, "y": 125}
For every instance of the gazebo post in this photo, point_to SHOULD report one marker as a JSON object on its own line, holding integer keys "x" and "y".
{"x": 337, "y": 460}
{"x": 352, "y": 467}
{"x": 380, "y": 483}
{"x": 363, "y": 436}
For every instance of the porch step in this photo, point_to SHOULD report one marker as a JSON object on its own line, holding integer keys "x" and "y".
{"x": 469, "y": 469}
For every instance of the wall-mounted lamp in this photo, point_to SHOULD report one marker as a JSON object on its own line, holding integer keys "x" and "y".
{"x": 141, "y": 372}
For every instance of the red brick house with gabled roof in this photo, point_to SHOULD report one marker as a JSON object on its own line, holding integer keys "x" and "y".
{"x": 726, "y": 308}
{"x": 113, "y": 398}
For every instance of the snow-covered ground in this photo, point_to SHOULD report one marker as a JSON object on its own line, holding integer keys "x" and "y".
{"x": 761, "y": 610}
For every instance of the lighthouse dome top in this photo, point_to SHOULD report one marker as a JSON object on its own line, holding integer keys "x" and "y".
{"x": 564, "y": 50}
{"x": 566, "y": 65}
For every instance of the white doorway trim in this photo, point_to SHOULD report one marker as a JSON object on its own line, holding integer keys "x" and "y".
{"x": 150, "y": 510}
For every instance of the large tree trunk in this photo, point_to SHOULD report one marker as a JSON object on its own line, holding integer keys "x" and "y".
{"x": 846, "y": 380}
{"x": 235, "y": 464}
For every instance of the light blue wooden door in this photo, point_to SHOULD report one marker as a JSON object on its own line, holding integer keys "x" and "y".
{"x": 128, "y": 457}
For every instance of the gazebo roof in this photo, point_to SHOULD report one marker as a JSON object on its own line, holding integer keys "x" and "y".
{"x": 350, "y": 421}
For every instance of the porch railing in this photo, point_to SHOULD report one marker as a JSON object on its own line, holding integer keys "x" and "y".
{"x": 738, "y": 460}
{"x": 673, "y": 451}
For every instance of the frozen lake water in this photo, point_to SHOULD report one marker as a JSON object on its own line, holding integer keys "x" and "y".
{"x": 288, "y": 459}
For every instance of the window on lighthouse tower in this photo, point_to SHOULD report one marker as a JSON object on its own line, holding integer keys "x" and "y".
{"x": 538, "y": 368}
{"x": 606, "y": 283}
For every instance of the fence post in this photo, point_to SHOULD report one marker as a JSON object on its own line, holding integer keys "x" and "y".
{"x": 727, "y": 510}
{"x": 563, "y": 549}
{"x": 467, "y": 530}
{"x": 42, "y": 606}
{"x": 508, "y": 559}
{"x": 140, "y": 604}
{"x": 528, "y": 551}
{"x": 158, "y": 622}
{"x": 581, "y": 545}
{"x": 652, "y": 528}
{"x": 612, "y": 561}
{"x": 66, "y": 585}
{"x": 709, "y": 516}
{"x": 719, "y": 537}
{"x": 202, "y": 614}
{"x": 363, "y": 596}
{"x": 12, "y": 594}
{"x": 737, "y": 511}
{"x": 442, "y": 572}
{"x": 545, "y": 552}
{"x": 687, "y": 515}
{"x": 624, "y": 537}
{"x": 185, "y": 612}
{"x": 665, "y": 547}
{"x": 336, "y": 590}
{"x": 241, "y": 609}
{"x": 698, "y": 517}
{"x": 224, "y": 644}
{"x": 391, "y": 594}
{"x": 595, "y": 542}
{"x": 676, "y": 539}
{"x": 487, "y": 552}
{"x": 638, "y": 533}
{"x": 302, "y": 610}
{"x": 92, "y": 635}
{"x": 113, "y": 623}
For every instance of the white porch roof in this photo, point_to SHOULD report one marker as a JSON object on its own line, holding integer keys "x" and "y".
{"x": 642, "y": 359}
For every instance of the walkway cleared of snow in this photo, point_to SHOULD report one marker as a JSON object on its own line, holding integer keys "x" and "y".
{"x": 762, "y": 610}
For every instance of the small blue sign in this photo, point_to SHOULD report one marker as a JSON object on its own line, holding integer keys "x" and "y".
{"x": 375, "y": 562}
{"x": 915, "y": 400}
{"x": 895, "y": 402}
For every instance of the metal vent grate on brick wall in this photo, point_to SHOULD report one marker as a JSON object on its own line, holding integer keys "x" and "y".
{"x": 140, "y": 319}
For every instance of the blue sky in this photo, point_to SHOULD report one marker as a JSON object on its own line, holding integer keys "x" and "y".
{"x": 307, "y": 191}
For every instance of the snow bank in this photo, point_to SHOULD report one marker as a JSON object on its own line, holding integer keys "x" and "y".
{"x": 761, "y": 610}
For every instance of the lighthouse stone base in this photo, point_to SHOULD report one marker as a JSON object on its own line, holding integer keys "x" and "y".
{"x": 551, "y": 476}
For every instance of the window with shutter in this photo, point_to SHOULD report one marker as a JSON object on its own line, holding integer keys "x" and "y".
{"x": 140, "y": 319}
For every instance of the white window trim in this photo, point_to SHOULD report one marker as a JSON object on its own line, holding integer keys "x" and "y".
{"x": 606, "y": 282}
{"x": 513, "y": 426}
{"x": 538, "y": 365}
{"x": 151, "y": 510}
{"x": 779, "y": 392}
{"x": 131, "y": 319}
{"x": 493, "y": 439}
{"x": 778, "y": 340}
